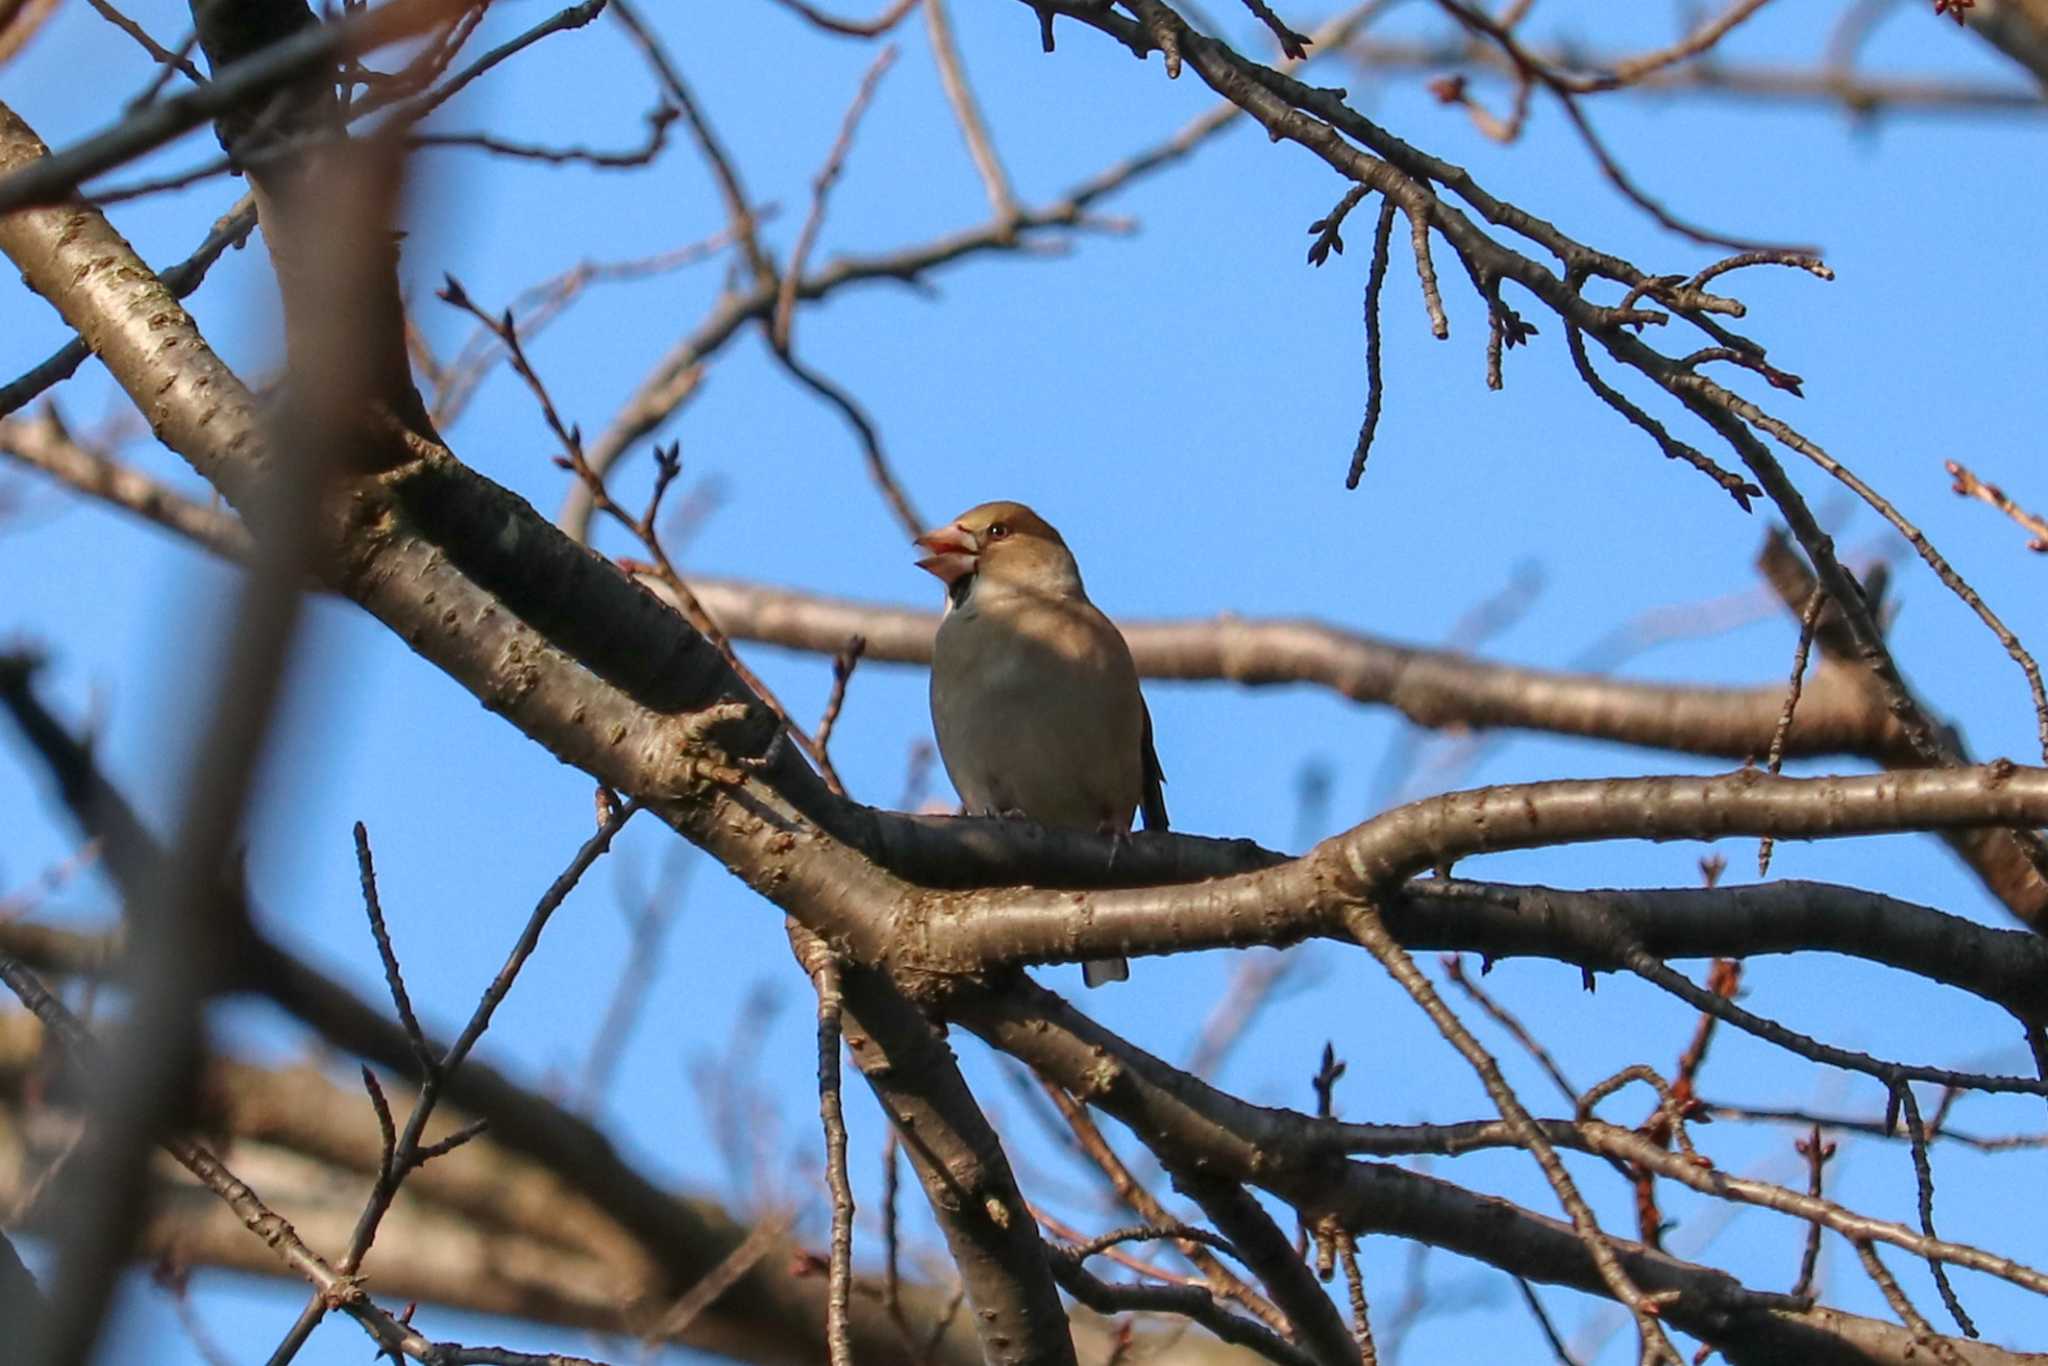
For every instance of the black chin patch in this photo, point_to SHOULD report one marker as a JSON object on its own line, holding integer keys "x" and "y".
{"x": 958, "y": 589}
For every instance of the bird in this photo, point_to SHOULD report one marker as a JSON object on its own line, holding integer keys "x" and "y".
{"x": 1035, "y": 698}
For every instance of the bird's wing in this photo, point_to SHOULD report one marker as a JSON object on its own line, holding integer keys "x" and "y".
{"x": 1152, "y": 798}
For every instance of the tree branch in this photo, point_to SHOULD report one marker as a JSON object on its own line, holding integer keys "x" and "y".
{"x": 958, "y": 1159}
{"x": 1186, "y": 1121}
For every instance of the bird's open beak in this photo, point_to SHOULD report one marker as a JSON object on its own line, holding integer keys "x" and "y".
{"x": 954, "y": 555}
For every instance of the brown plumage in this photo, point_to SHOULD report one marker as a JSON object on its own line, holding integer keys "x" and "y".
{"x": 1035, "y": 699}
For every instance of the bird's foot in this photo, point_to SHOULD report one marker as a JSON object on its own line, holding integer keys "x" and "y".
{"x": 1119, "y": 840}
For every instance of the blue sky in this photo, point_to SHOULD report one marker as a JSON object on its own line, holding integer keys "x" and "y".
{"x": 1181, "y": 402}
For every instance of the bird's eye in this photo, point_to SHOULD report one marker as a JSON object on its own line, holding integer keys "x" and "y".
{"x": 998, "y": 530}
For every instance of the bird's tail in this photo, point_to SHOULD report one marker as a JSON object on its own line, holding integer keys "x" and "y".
{"x": 1106, "y": 970}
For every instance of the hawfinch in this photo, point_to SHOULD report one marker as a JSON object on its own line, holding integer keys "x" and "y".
{"x": 1034, "y": 697}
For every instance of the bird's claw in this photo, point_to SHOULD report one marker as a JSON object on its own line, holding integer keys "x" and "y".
{"x": 1119, "y": 840}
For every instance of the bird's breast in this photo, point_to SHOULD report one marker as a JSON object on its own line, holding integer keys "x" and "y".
{"x": 1037, "y": 711}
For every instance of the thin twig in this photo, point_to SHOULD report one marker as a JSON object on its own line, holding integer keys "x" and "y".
{"x": 1923, "y": 1179}
{"x": 411, "y": 1152}
{"x": 1741, "y": 260}
{"x": 850, "y": 28}
{"x": 643, "y": 526}
{"x": 721, "y": 1278}
{"x": 1952, "y": 580}
{"x": 1542, "y": 1317}
{"x": 628, "y": 159}
{"x": 573, "y": 17}
{"x": 1873, "y": 1127}
{"x": 821, "y": 190}
{"x": 843, "y": 665}
{"x": 1809, "y": 618}
{"x": 1221, "y": 1279}
{"x": 1371, "y": 933}
{"x": 393, "y": 978}
{"x": 1293, "y": 45}
{"x": 1354, "y": 1283}
{"x": 1328, "y": 230}
{"x": 1892, "y": 1074}
{"x": 1425, "y": 270}
{"x": 738, "y": 207}
{"x": 1085, "y": 1248}
{"x": 176, "y": 61}
{"x": 967, "y": 113}
{"x": 535, "y": 307}
{"x": 1816, "y": 1152}
{"x": 879, "y": 469}
{"x": 1969, "y": 485}
{"x": 165, "y": 71}
{"x": 1738, "y": 488}
{"x": 1633, "y": 69}
{"x": 1944, "y": 1350}
{"x": 1566, "y": 90}
{"x": 335, "y": 1288}
{"x": 1454, "y": 968}
{"x": 830, "y": 1004}
{"x": 892, "y": 1272}
{"x": 1375, "y": 390}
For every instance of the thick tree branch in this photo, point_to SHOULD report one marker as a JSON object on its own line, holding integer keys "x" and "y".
{"x": 958, "y": 1159}
{"x": 1428, "y": 686}
{"x": 486, "y": 1228}
{"x": 90, "y": 275}
{"x": 232, "y": 230}
{"x": 768, "y": 1306}
{"x": 1188, "y": 1122}
{"x": 291, "y": 142}
{"x": 961, "y": 931}
{"x": 1265, "y": 1251}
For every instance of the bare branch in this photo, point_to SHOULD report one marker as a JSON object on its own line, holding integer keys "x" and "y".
{"x": 1194, "y": 1123}
{"x": 967, "y": 113}
{"x": 821, "y": 188}
{"x": 1866, "y": 95}
{"x": 1816, "y": 1154}
{"x": 1809, "y": 618}
{"x": 1969, "y": 485}
{"x": 851, "y": 28}
{"x": 411, "y": 1152}
{"x": 738, "y": 208}
{"x": 839, "y": 1350}
{"x": 317, "y": 47}
{"x": 959, "y": 1160}
{"x": 336, "y": 1288}
{"x": 175, "y": 61}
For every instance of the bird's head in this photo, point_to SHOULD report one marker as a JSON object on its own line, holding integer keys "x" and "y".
{"x": 1003, "y": 543}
